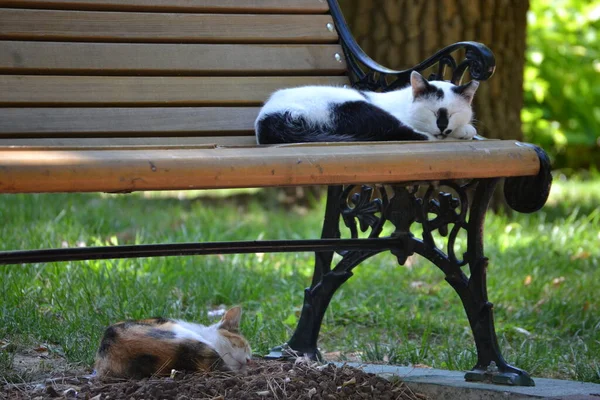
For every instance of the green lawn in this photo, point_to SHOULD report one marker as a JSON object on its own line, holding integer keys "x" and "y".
{"x": 544, "y": 279}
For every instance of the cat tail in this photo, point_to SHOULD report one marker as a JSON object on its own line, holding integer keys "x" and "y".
{"x": 283, "y": 127}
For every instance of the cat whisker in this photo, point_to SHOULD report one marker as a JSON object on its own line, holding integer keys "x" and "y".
{"x": 161, "y": 368}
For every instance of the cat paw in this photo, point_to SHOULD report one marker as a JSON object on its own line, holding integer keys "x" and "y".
{"x": 465, "y": 132}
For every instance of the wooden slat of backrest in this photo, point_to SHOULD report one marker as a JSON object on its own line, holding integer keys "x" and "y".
{"x": 17, "y": 90}
{"x": 145, "y": 121}
{"x": 225, "y": 6}
{"x": 128, "y": 142}
{"x": 168, "y": 59}
{"x": 108, "y": 74}
{"x": 20, "y": 24}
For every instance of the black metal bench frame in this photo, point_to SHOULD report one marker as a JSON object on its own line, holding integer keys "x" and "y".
{"x": 461, "y": 205}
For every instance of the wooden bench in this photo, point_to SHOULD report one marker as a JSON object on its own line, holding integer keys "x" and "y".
{"x": 128, "y": 95}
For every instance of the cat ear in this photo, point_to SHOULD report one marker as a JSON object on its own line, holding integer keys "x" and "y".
{"x": 419, "y": 84}
{"x": 467, "y": 90}
{"x": 231, "y": 319}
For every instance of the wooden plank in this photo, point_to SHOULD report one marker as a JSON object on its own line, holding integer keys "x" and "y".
{"x": 168, "y": 59}
{"x": 143, "y": 121}
{"x": 199, "y": 6}
{"x": 108, "y": 26}
{"x": 259, "y": 166}
{"x": 32, "y": 90}
{"x": 123, "y": 143}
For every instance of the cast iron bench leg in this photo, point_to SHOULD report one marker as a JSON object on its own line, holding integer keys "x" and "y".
{"x": 323, "y": 286}
{"x": 326, "y": 280}
{"x": 491, "y": 366}
{"x": 409, "y": 206}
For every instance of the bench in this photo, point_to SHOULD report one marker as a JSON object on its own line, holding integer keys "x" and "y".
{"x": 128, "y": 95}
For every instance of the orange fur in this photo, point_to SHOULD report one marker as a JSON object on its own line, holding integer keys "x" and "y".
{"x": 236, "y": 339}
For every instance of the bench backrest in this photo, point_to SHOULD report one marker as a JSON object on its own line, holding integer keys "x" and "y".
{"x": 155, "y": 72}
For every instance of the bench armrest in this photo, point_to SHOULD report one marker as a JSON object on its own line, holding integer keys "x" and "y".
{"x": 366, "y": 73}
{"x": 527, "y": 194}
{"x": 524, "y": 193}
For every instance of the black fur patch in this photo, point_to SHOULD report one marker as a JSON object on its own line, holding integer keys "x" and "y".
{"x": 191, "y": 354}
{"x": 354, "y": 121}
{"x": 142, "y": 366}
{"x": 282, "y": 128}
{"x": 365, "y": 122}
{"x": 161, "y": 334}
{"x": 109, "y": 338}
{"x": 461, "y": 89}
{"x": 442, "y": 119}
{"x": 431, "y": 91}
{"x": 439, "y": 94}
{"x": 160, "y": 320}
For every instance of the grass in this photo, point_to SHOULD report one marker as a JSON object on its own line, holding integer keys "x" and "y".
{"x": 544, "y": 277}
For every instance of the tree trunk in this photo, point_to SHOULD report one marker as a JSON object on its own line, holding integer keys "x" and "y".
{"x": 401, "y": 33}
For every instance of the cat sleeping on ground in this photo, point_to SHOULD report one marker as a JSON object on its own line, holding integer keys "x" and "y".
{"x": 136, "y": 349}
{"x": 421, "y": 111}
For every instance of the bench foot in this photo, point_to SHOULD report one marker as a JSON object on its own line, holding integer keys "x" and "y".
{"x": 501, "y": 375}
{"x": 285, "y": 352}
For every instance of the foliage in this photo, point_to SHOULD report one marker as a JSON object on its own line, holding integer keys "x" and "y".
{"x": 543, "y": 279}
{"x": 562, "y": 94}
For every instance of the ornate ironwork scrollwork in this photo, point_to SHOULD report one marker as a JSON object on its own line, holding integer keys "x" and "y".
{"x": 368, "y": 207}
{"x": 363, "y": 205}
{"x": 448, "y": 210}
{"x": 367, "y": 74}
{"x": 444, "y": 61}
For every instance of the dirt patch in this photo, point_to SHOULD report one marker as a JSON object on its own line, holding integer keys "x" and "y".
{"x": 264, "y": 380}
{"x": 34, "y": 362}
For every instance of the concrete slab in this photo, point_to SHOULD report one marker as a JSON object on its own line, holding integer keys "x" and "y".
{"x": 441, "y": 384}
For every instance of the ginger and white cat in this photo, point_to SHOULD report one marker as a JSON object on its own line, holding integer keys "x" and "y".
{"x": 421, "y": 111}
{"x": 136, "y": 349}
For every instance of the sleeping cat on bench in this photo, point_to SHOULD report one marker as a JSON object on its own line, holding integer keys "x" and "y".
{"x": 421, "y": 111}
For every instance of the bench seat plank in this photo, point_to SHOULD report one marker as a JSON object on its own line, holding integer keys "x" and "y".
{"x": 165, "y": 59}
{"x": 31, "y": 90}
{"x": 223, "y": 6}
{"x": 259, "y": 166}
{"x": 141, "y": 121}
{"x": 86, "y": 143}
{"x": 57, "y": 25}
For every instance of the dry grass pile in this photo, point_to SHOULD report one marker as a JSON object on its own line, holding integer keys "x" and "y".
{"x": 265, "y": 380}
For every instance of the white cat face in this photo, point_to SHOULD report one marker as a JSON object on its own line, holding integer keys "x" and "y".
{"x": 236, "y": 353}
{"x": 233, "y": 347}
{"x": 440, "y": 108}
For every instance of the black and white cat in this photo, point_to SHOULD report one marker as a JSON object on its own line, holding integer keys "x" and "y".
{"x": 421, "y": 111}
